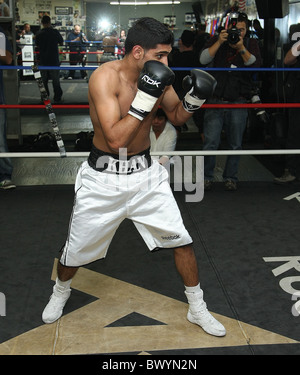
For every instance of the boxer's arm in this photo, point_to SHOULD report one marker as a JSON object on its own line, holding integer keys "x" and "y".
{"x": 199, "y": 86}
{"x": 118, "y": 132}
{"x": 103, "y": 92}
{"x": 173, "y": 108}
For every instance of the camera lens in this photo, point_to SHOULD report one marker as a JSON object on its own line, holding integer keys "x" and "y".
{"x": 233, "y": 36}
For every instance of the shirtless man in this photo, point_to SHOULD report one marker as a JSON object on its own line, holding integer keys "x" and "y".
{"x": 120, "y": 179}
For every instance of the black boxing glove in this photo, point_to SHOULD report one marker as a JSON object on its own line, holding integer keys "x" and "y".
{"x": 152, "y": 81}
{"x": 200, "y": 86}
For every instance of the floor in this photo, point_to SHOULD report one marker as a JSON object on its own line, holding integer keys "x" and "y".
{"x": 132, "y": 302}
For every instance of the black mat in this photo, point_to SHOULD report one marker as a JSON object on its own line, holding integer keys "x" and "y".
{"x": 233, "y": 232}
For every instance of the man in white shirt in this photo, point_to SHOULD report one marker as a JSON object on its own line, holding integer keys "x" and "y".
{"x": 163, "y": 135}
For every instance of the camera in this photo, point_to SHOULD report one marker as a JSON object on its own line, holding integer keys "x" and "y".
{"x": 260, "y": 112}
{"x": 82, "y": 37}
{"x": 233, "y": 33}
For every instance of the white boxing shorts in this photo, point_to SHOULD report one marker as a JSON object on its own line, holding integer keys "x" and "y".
{"x": 103, "y": 200}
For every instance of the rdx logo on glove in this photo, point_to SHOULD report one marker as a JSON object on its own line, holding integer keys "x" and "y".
{"x": 151, "y": 81}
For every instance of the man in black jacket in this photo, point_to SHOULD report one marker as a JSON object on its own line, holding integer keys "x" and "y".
{"x": 47, "y": 41}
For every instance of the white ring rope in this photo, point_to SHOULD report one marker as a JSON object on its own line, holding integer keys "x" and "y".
{"x": 156, "y": 153}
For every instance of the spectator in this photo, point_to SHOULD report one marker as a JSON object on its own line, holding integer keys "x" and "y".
{"x": 121, "y": 47}
{"x": 110, "y": 41}
{"x": 232, "y": 87}
{"x": 47, "y": 41}
{"x": 27, "y": 30}
{"x": 184, "y": 57}
{"x": 259, "y": 31}
{"x": 201, "y": 38}
{"x": 77, "y": 43}
{"x": 6, "y": 167}
{"x": 4, "y": 9}
{"x": 163, "y": 135}
{"x": 292, "y": 91}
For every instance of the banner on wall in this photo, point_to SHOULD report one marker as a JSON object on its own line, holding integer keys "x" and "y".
{"x": 27, "y": 54}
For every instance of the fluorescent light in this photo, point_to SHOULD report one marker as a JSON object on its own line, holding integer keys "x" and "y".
{"x": 163, "y": 2}
{"x": 128, "y": 3}
{"x": 144, "y": 2}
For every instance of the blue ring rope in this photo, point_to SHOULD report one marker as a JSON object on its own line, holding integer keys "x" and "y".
{"x": 75, "y": 67}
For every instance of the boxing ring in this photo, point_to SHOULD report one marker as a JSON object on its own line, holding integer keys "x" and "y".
{"x": 246, "y": 244}
{"x": 175, "y": 153}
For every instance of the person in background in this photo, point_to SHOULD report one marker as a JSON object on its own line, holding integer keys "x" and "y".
{"x": 121, "y": 46}
{"x": 27, "y": 30}
{"x": 110, "y": 42}
{"x": 201, "y": 38}
{"x": 292, "y": 91}
{"x": 163, "y": 135}
{"x": 77, "y": 44}
{"x": 47, "y": 41}
{"x": 259, "y": 31}
{"x": 184, "y": 57}
{"x": 6, "y": 167}
{"x": 4, "y": 9}
{"x": 223, "y": 51}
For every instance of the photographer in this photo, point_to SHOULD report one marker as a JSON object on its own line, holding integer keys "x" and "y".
{"x": 229, "y": 49}
{"x": 77, "y": 45}
{"x": 291, "y": 171}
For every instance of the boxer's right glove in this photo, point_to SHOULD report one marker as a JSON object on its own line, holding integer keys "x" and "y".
{"x": 200, "y": 86}
{"x": 152, "y": 81}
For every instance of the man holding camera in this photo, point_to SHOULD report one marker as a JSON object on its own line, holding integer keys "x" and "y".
{"x": 77, "y": 43}
{"x": 229, "y": 49}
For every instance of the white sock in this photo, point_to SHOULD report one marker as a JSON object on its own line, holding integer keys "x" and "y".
{"x": 193, "y": 289}
{"x": 63, "y": 285}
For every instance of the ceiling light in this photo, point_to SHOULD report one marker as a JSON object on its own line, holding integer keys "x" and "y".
{"x": 144, "y": 2}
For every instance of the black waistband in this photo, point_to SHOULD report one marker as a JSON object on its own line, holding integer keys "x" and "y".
{"x": 119, "y": 163}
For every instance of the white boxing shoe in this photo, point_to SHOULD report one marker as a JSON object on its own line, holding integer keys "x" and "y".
{"x": 56, "y": 304}
{"x": 198, "y": 314}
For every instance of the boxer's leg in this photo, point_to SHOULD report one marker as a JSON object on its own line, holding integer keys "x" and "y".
{"x": 186, "y": 265}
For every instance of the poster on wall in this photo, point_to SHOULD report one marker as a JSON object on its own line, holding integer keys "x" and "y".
{"x": 170, "y": 21}
{"x": 63, "y": 11}
{"x": 5, "y": 9}
{"x": 42, "y": 13}
{"x": 189, "y": 18}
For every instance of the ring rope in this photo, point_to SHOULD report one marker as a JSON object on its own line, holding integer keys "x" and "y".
{"x": 207, "y": 106}
{"x": 49, "y": 109}
{"x": 156, "y": 153}
{"x": 174, "y": 153}
{"x": 63, "y": 67}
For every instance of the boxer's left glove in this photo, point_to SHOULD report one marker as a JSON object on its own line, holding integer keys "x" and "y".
{"x": 199, "y": 86}
{"x": 152, "y": 81}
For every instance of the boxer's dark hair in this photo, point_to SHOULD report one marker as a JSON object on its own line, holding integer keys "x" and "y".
{"x": 147, "y": 32}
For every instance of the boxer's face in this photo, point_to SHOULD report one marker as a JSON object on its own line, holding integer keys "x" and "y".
{"x": 160, "y": 53}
